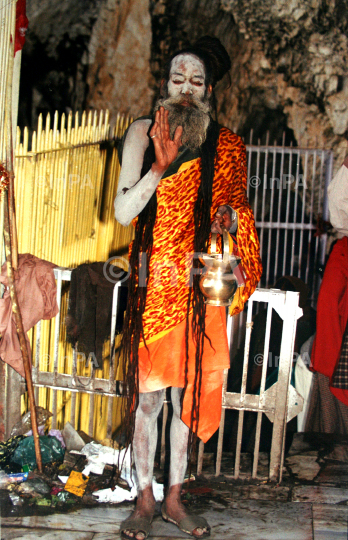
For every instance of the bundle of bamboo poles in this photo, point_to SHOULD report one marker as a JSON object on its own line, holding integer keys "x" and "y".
{"x": 66, "y": 182}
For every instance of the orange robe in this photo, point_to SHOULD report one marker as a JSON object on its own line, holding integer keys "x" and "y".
{"x": 162, "y": 363}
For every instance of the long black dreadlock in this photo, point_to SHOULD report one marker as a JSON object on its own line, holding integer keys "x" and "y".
{"x": 217, "y": 63}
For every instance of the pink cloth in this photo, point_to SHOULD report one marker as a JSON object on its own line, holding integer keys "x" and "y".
{"x": 37, "y": 299}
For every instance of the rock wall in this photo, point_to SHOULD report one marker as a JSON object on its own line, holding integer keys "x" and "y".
{"x": 288, "y": 61}
{"x": 53, "y": 60}
{"x": 94, "y": 55}
{"x": 119, "y": 76}
{"x": 288, "y": 64}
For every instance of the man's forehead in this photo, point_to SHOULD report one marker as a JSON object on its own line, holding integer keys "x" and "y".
{"x": 187, "y": 61}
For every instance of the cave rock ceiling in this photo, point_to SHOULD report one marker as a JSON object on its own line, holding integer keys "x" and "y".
{"x": 289, "y": 61}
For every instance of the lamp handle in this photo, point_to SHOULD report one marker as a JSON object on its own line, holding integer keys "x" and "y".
{"x": 226, "y": 245}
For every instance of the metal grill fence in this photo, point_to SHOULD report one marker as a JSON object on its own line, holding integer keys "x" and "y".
{"x": 287, "y": 190}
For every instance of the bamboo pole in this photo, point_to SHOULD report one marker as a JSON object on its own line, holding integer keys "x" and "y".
{"x": 11, "y": 251}
{"x": 20, "y": 330}
{"x": 9, "y": 151}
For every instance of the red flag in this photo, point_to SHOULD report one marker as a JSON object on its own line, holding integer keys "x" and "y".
{"x": 21, "y": 25}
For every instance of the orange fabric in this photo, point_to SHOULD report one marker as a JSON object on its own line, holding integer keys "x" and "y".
{"x": 173, "y": 234}
{"x": 164, "y": 318}
{"x": 162, "y": 364}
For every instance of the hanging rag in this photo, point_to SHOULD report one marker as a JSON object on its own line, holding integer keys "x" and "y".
{"x": 88, "y": 322}
{"x": 37, "y": 299}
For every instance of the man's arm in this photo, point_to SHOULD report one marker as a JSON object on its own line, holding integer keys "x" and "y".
{"x": 134, "y": 192}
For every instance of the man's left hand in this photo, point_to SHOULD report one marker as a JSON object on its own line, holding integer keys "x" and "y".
{"x": 222, "y": 220}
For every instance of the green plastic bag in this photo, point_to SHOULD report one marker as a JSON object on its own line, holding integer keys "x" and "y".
{"x": 51, "y": 450}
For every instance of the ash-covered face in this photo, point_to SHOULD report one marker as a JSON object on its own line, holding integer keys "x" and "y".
{"x": 187, "y": 77}
{"x": 187, "y": 99}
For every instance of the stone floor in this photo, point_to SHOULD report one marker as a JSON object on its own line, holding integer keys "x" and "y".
{"x": 311, "y": 503}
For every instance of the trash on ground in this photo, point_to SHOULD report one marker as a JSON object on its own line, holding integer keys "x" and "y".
{"x": 73, "y": 440}
{"x": 85, "y": 437}
{"x": 98, "y": 456}
{"x": 115, "y": 496}
{"x": 189, "y": 479}
{"x": 12, "y": 478}
{"x": 43, "y": 502}
{"x": 40, "y": 430}
{"x": 58, "y": 434}
{"x": 16, "y": 500}
{"x": 56, "y": 489}
{"x": 110, "y": 443}
{"x": 90, "y": 474}
{"x": 36, "y": 485}
{"x": 51, "y": 451}
{"x": 24, "y": 425}
{"x": 63, "y": 479}
{"x": 64, "y": 496}
{"x": 77, "y": 483}
{"x": 7, "y": 450}
{"x": 72, "y": 461}
{"x": 119, "y": 494}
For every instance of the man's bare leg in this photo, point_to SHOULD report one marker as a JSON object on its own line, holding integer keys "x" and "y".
{"x": 179, "y": 433}
{"x": 144, "y": 448}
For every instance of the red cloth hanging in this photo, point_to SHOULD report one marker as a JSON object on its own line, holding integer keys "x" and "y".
{"x": 21, "y": 25}
{"x": 332, "y": 315}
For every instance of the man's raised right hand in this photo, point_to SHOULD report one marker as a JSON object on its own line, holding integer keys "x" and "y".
{"x": 166, "y": 149}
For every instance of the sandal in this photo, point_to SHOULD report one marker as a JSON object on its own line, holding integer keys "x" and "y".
{"x": 136, "y": 525}
{"x": 189, "y": 524}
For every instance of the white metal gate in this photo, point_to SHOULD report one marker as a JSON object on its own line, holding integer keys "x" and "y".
{"x": 287, "y": 190}
{"x": 280, "y": 402}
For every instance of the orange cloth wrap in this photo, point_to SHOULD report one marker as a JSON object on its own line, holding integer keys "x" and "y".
{"x": 162, "y": 363}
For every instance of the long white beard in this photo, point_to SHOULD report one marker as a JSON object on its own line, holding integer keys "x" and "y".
{"x": 194, "y": 118}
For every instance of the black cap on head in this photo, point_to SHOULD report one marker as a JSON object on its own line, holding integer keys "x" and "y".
{"x": 212, "y": 53}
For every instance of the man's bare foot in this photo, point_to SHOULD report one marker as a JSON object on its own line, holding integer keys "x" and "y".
{"x": 144, "y": 509}
{"x": 173, "y": 509}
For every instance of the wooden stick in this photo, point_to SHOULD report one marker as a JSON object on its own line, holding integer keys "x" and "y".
{"x": 9, "y": 159}
{"x": 11, "y": 251}
{"x": 20, "y": 332}
{"x": 12, "y": 211}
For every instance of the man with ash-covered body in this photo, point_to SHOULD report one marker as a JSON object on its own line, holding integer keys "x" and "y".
{"x": 182, "y": 176}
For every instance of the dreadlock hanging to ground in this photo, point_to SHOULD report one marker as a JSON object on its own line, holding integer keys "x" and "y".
{"x": 176, "y": 173}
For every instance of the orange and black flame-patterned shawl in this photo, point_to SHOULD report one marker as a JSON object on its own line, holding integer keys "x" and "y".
{"x": 173, "y": 235}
